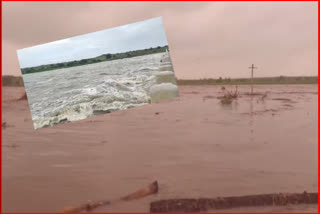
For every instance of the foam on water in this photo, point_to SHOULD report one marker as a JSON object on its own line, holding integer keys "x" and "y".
{"x": 163, "y": 91}
{"x": 77, "y": 93}
{"x": 166, "y": 76}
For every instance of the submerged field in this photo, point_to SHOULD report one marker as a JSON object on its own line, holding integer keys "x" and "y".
{"x": 193, "y": 145}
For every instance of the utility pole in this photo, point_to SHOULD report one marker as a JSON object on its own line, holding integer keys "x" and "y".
{"x": 252, "y": 67}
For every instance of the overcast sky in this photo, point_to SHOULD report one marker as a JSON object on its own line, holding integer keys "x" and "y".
{"x": 206, "y": 39}
{"x": 139, "y": 35}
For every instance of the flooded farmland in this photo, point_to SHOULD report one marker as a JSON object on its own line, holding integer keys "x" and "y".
{"x": 194, "y": 146}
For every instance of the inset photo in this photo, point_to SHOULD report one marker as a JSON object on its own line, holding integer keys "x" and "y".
{"x": 98, "y": 73}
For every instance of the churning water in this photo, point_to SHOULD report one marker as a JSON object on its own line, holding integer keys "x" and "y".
{"x": 76, "y": 93}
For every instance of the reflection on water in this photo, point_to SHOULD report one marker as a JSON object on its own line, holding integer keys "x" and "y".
{"x": 251, "y": 121}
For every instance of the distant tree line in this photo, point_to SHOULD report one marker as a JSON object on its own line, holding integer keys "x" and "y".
{"x": 258, "y": 80}
{"x": 102, "y": 58}
{"x": 8, "y": 80}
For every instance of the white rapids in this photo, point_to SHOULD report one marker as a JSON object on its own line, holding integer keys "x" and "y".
{"x": 76, "y": 93}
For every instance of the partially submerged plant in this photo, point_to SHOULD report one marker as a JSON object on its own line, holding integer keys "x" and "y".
{"x": 232, "y": 94}
{"x": 226, "y": 100}
{"x": 229, "y": 96}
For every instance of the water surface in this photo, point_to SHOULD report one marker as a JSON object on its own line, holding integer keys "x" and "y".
{"x": 79, "y": 92}
{"x": 193, "y": 146}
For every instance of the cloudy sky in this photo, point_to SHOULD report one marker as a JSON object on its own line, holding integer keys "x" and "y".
{"x": 206, "y": 39}
{"x": 139, "y": 35}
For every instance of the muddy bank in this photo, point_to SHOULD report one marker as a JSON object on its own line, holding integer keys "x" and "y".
{"x": 194, "y": 147}
{"x": 205, "y": 204}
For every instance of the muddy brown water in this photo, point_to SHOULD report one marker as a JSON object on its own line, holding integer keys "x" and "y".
{"x": 193, "y": 146}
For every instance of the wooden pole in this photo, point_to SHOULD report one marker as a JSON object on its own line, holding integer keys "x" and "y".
{"x": 252, "y": 79}
{"x": 252, "y": 67}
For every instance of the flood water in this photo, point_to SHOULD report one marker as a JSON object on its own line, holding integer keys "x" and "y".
{"x": 193, "y": 145}
{"x": 76, "y": 93}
